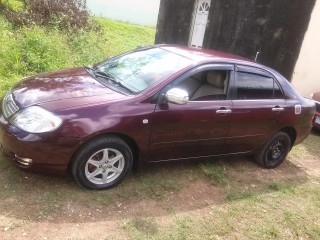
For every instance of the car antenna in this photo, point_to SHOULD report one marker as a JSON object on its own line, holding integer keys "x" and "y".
{"x": 257, "y": 55}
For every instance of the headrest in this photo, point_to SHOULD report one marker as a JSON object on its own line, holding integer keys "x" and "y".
{"x": 216, "y": 79}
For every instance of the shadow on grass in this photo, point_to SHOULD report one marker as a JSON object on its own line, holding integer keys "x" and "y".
{"x": 156, "y": 190}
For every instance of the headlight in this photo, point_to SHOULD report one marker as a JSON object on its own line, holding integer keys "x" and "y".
{"x": 36, "y": 120}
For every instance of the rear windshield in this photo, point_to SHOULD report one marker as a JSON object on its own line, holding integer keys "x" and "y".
{"x": 139, "y": 70}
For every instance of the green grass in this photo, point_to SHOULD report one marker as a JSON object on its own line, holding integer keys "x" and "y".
{"x": 234, "y": 195}
{"x": 216, "y": 173}
{"x": 141, "y": 228}
{"x": 26, "y": 51}
{"x": 283, "y": 217}
{"x": 14, "y": 4}
{"x": 282, "y": 187}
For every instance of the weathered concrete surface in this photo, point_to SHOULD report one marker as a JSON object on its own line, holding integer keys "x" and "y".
{"x": 174, "y": 21}
{"x": 275, "y": 28}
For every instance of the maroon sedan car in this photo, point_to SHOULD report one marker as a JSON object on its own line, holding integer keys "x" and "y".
{"x": 316, "y": 119}
{"x": 152, "y": 104}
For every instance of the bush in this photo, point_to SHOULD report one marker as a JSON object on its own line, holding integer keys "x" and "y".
{"x": 26, "y": 52}
{"x": 66, "y": 14}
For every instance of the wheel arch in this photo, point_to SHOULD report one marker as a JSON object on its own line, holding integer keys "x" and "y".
{"x": 292, "y": 134}
{"x": 128, "y": 140}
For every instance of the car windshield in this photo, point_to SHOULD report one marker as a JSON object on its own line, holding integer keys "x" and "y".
{"x": 139, "y": 70}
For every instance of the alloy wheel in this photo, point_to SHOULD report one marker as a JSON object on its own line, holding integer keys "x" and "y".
{"x": 104, "y": 166}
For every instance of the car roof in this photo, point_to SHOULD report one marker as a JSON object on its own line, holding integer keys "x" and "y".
{"x": 201, "y": 54}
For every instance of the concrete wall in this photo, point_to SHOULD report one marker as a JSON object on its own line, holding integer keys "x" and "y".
{"x": 306, "y": 77}
{"x": 174, "y": 21}
{"x": 276, "y": 28}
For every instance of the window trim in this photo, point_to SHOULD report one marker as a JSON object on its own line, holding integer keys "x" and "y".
{"x": 211, "y": 66}
{"x": 254, "y": 71}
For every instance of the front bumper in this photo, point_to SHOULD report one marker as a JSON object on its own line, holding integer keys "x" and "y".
{"x": 37, "y": 153}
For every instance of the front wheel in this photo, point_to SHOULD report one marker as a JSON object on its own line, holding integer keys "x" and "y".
{"x": 102, "y": 163}
{"x": 274, "y": 151}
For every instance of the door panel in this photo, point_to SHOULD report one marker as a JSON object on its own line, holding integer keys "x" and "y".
{"x": 258, "y": 107}
{"x": 191, "y": 130}
{"x": 252, "y": 123}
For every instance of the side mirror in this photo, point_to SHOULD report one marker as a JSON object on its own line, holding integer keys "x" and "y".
{"x": 177, "y": 96}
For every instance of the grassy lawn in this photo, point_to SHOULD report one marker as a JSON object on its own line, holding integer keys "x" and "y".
{"x": 225, "y": 198}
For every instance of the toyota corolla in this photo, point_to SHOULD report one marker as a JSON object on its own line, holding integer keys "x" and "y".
{"x": 153, "y": 104}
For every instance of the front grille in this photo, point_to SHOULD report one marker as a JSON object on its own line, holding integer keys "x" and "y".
{"x": 9, "y": 107}
{"x": 318, "y": 107}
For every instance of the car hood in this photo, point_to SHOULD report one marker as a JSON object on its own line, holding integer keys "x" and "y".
{"x": 59, "y": 85}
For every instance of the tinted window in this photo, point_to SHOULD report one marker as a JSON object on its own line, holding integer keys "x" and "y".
{"x": 254, "y": 86}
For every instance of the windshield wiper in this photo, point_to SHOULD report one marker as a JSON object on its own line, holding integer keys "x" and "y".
{"x": 111, "y": 79}
{"x": 90, "y": 70}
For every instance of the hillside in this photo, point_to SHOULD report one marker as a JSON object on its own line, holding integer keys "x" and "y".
{"x": 25, "y": 51}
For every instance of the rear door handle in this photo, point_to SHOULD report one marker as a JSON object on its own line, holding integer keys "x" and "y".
{"x": 224, "y": 111}
{"x": 277, "y": 109}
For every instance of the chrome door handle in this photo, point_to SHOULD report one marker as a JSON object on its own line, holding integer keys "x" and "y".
{"x": 277, "y": 109}
{"x": 226, "y": 111}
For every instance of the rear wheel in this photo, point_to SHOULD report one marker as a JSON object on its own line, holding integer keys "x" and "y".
{"x": 274, "y": 151}
{"x": 102, "y": 163}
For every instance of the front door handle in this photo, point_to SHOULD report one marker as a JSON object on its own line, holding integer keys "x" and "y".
{"x": 277, "y": 109}
{"x": 224, "y": 111}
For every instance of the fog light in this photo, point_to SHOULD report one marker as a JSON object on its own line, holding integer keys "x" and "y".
{"x": 23, "y": 161}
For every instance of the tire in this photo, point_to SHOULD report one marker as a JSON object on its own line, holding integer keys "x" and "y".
{"x": 274, "y": 151}
{"x": 102, "y": 163}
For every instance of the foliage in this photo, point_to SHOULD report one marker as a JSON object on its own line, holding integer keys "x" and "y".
{"x": 12, "y": 4}
{"x": 70, "y": 14}
{"x": 29, "y": 50}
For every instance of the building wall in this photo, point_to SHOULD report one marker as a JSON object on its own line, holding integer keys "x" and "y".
{"x": 142, "y": 12}
{"x": 275, "y": 28}
{"x": 306, "y": 77}
{"x": 174, "y": 21}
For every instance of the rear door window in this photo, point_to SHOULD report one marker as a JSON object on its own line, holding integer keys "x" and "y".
{"x": 255, "y": 86}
